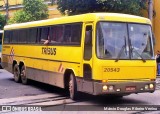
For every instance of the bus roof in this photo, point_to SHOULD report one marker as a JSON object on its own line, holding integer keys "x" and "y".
{"x": 89, "y": 17}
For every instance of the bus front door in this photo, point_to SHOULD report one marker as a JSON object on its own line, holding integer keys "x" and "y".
{"x": 87, "y": 59}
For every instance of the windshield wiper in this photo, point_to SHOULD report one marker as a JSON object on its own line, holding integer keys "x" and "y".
{"x": 120, "y": 52}
{"x": 137, "y": 54}
{"x": 136, "y": 51}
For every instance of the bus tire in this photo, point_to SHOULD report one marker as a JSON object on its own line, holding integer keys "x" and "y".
{"x": 23, "y": 75}
{"x": 16, "y": 73}
{"x": 72, "y": 87}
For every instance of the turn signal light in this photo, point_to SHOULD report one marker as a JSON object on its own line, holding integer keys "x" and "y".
{"x": 104, "y": 81}
{"x": 152, "y": 79}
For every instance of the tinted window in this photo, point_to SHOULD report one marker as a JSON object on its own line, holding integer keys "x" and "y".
{"x": 32, "y": 37}
{"x": 56, "y": 34}
{"x": 76, "y": 33}
{"x": 66, "y": 34}
{"x": 72, "y": 34}
{"x": 6, "y": 37}
{"x": 88, "y": 43}
{"x": 44, "y": 32}
{"x": 15, "y": 36}
{"x": 23, "y": 35}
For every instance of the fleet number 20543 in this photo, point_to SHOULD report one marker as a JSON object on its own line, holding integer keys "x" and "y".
{"x": 111, "y": 69}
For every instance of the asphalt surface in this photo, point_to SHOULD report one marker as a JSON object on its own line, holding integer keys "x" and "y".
{"x": 42, "y": 94}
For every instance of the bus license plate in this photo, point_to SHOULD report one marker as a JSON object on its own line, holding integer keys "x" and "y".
{"x": 130, "y": 88}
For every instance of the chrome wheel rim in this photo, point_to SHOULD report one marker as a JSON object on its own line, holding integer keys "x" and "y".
{"x": 71, "y": 87}
{"x": 16, "y": 74}
{"x": 23, "y": 76}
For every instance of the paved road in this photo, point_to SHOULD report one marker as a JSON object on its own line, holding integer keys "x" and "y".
{"x": 40, "y": 94}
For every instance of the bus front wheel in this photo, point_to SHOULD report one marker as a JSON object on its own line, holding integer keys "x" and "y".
{"x": 72, "y": 87}
{"x": 16, "y": 73}
{"x": 23, "y": 75}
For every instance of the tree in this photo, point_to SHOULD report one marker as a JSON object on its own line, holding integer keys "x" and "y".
{"x": 72, "y": 7}
{"x": 33, "y": 10}
{"x": 2, "y": 21}
{"x": 134, "y": 7}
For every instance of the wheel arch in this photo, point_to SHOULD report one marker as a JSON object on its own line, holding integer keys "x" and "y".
{"x": 14, "y": 63}
{"x": 67, "y": 76}
{"x": 21, "y": 63}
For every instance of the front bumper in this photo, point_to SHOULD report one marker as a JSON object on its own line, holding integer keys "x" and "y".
{"x": 139, "y": 87}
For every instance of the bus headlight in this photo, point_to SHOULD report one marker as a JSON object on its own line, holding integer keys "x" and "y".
{"x": 146, "y": 87}
{"x": 105, "y": 87}
{"x": 151, "y": 86}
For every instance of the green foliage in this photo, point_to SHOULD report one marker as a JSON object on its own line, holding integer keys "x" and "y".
{"x": 72, "y": 7}
{"x": 33, "y": 10}
{"x": 20, "y": 16}
{"x": 2, "y": 21}
{"x": 36, "y": 8}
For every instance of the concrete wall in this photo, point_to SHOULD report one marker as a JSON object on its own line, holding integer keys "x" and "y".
{"x": 15, "y": 2}
{"x": 53, "y": 12}
{"x": 156, "y": 24}
{"x": 11, "y": 2}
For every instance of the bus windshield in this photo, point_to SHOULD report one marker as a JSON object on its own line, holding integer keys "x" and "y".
{"x": 124, "y": 41}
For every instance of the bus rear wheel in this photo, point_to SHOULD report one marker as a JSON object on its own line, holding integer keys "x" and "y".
{"x": 23, "y": 75}
{"x": 16, "y": 73}
{"x": 72, "y": 87}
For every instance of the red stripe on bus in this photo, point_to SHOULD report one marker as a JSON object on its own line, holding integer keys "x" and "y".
{"x": 59, "y": 67}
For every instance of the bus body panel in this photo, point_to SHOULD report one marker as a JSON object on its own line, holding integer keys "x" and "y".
{"x": 124, "y": 70}
{"x": 42, "y": 66}
{"x": 90, "y": 17}
{"x": 49, "y": 63}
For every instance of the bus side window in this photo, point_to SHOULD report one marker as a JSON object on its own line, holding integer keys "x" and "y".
{"x": 60, "y": 33}
{"x": 76, "y": 34}
{"x": 32, "y": 35}
{"x": 88, "y": 43}
{"x": 52, "y": 34}
{"x": 67, "y": 34}
{"x": 44, "y": 34}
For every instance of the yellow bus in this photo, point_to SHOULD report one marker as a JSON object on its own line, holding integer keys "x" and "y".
{"x": 96, "y": 53}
